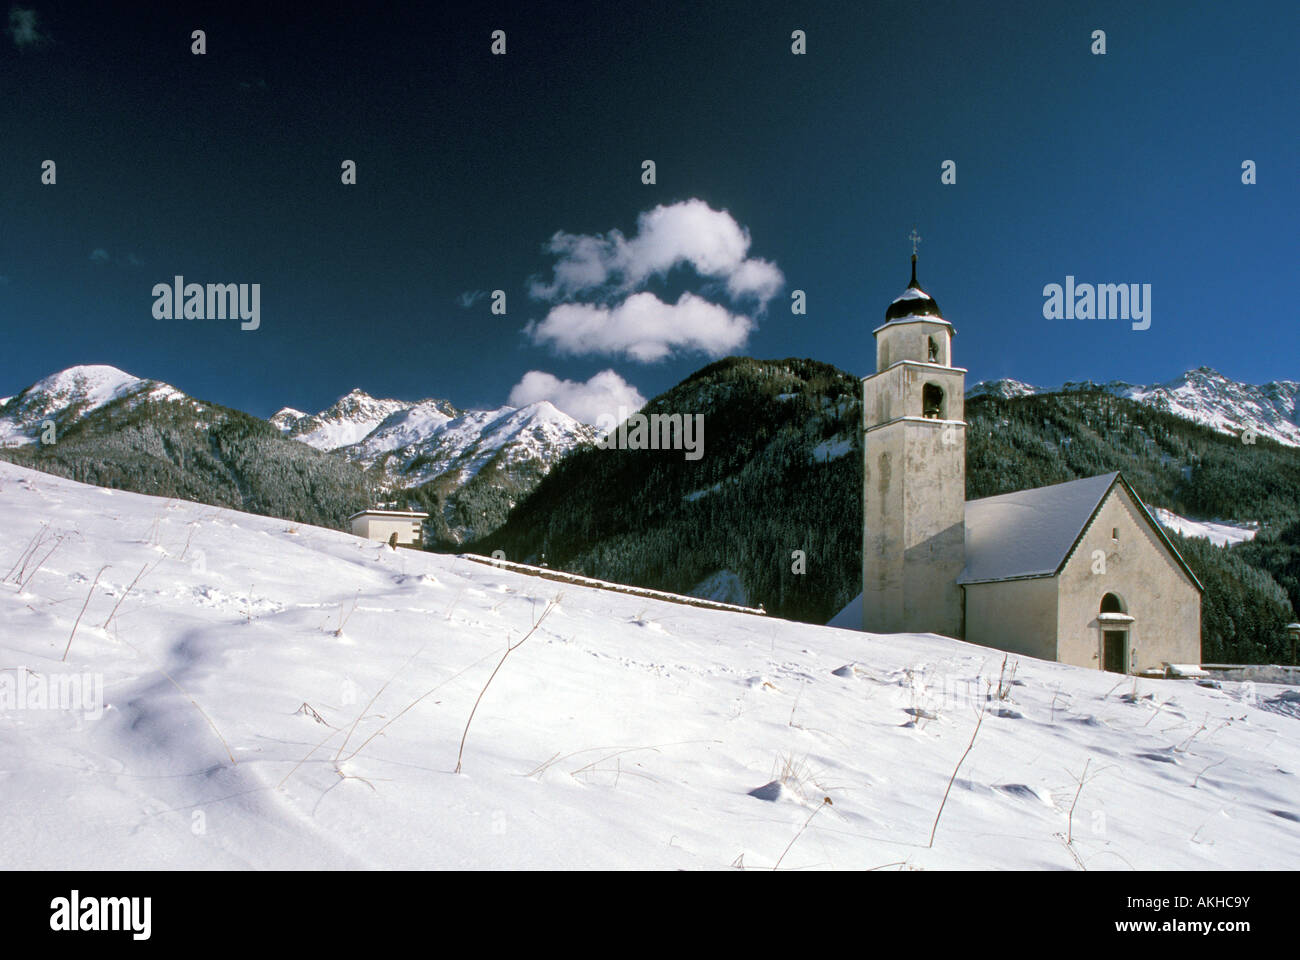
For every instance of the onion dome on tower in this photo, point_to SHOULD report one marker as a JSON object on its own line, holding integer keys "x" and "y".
{"x": 913, "y": 302}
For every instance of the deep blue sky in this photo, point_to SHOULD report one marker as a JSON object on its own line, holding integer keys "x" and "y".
{"x": 225, "y": 168}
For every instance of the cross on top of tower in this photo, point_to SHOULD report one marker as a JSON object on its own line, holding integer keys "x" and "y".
{"x": 914, "y": 301}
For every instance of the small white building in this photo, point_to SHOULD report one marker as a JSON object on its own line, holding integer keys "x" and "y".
{"x": 382, "y": 524}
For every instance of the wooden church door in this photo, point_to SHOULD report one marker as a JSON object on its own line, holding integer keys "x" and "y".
{"x": 1113, "y": 653}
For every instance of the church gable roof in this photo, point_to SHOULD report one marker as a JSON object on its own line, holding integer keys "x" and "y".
{"x": 1029, "y": 533}
{"x": 1032, "y": 533}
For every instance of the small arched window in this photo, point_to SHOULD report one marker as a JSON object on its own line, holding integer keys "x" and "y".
{"x": 932, "y": 402}
{"x": 1111, "y": 604}
{"x": 933, "y": 349}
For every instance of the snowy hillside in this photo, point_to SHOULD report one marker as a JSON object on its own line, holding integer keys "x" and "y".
{"x": 1202, "y": 395}
{"x": 280, "y": 696}
{"x": 71, "y": 394}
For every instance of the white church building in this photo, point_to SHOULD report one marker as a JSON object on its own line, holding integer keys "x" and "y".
{"x": 1078, "y": 572}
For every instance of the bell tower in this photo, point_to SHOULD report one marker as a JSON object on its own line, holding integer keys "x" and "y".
{"x": 914, "y": 476}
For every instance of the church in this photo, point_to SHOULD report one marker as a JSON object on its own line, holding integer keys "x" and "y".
{"x": 1078, "y": 572}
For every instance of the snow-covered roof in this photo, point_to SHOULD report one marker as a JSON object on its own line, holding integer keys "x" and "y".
{"x": 1029, "y": 533}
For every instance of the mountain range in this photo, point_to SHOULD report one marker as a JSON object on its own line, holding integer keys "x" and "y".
{"x": 413, "y": 443}
{"x": 1202, "y": 395}
{"x": 467, "y": 467}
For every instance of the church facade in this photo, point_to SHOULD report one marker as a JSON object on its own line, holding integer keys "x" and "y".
{"x": 1078, "y": 572}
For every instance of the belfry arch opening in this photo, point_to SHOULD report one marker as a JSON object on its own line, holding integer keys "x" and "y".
{"x": 932, "y": 402}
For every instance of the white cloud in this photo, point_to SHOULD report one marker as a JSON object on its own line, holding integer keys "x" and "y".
{"x": 604, "y": 393}
{"x": 99, "y": 255}
{"x": 643, "y": 328}
{"x": 760, "y": 279}
{"x": 468, "y": 298}
{"x": 24, "y": 28}
{"x": 686, "y": 233}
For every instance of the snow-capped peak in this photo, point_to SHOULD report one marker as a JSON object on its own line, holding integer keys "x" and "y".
{"x": 71, "y": 394}
{"x": 94, "y": 383}
{"x": 346, "y": 421}
{"x": 284, "y": 418}
{"x": 1005, "y": 387}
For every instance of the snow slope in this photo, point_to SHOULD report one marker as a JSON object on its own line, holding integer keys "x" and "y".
{"x": 1219, "y": 534}
{"x": 724, "y": 586}
{"x": 624, "y": 732}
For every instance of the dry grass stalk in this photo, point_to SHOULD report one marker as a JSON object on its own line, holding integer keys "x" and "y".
{"x": 1069, "y": 822}
{"x": 124, "y": 595}
{"x": 23, "y": 585}
{"x": 953, "y": 778}
{"x": 89, "y": 594}
{"x": 510, "y": 648}
{"x": 36, "y": 540}
{"x": 343, "y": 619}
{"x": 826, "y": 802}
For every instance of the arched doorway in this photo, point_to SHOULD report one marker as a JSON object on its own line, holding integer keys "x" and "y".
{"x": 1114, "y": 634}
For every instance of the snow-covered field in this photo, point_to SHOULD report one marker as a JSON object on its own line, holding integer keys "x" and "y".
{"x": 624, "y": 732}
